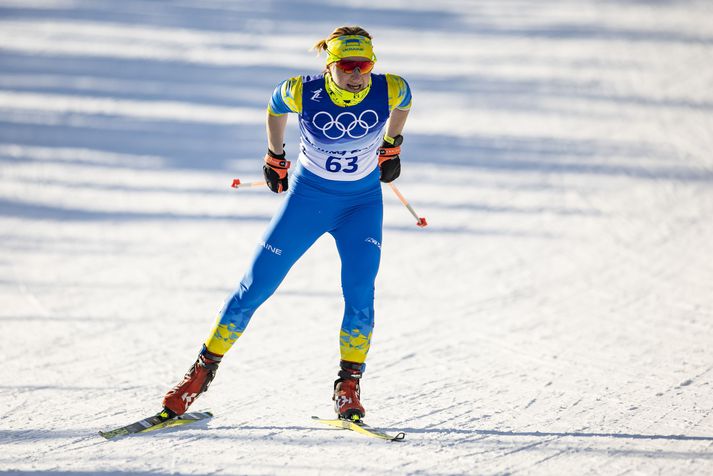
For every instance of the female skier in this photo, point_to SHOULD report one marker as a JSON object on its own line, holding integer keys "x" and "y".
{"x": 350, "y": 123}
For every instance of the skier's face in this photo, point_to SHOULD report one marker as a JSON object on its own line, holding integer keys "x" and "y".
{"x": 354, "y": 81}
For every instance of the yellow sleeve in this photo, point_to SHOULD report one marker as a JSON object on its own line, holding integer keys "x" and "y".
{"x": 287, "y": 97}
{"x": 399, "y": 92}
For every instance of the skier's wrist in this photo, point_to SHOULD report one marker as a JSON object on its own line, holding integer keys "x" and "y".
{"x": 275, "y": 155}
{"x": 392, "y": 141}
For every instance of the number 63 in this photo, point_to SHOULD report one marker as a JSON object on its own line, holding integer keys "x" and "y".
{"x": 334, "y": 164}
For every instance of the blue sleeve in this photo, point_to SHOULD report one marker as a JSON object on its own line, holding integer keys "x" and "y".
{"x": 399, "y": 92}
{"x": 277, "y": 104}
{"x": 406, "y": 103}
{"x": 287, "y": 97}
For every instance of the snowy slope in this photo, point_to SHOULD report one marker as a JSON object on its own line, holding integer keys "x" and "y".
{"x": 556, "y": 317}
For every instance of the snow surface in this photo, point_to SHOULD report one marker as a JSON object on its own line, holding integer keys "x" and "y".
{"x": 556, "y": 317}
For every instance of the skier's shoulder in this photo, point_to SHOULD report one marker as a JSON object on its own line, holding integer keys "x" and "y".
{"x": 287, "y": 97}
{"x": 399, "y": 91}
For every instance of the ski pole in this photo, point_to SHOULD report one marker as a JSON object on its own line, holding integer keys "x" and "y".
{"x": 238, "y": 184}
{"x": 420, "y": 221}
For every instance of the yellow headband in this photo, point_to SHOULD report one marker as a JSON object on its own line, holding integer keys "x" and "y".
{"x": 349, "y": 45}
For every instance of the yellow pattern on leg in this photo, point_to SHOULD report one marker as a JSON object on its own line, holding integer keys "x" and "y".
{"x": 353, "y": 346}
{"x": 222, "y": 338}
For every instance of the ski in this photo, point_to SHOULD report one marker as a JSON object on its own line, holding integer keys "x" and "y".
{"x": 360, "y": 427}
{"x": 155, "y": 422}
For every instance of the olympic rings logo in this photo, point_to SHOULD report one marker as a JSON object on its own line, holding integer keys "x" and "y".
{"x": 345, "y": 123}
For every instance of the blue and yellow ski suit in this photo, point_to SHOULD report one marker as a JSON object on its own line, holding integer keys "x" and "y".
{"x": 335, "y": 189}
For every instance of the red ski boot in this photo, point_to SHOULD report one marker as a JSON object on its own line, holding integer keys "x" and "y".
{"x": 195, "y": 382}
{"x": 346, "y": 392}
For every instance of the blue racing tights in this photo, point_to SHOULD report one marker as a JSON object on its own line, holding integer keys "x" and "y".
{"x": 352, "y": 213}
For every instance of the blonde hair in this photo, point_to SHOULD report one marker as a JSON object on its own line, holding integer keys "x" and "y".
{"x": 321, "y": 45}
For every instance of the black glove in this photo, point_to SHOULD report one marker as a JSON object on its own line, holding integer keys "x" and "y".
{"x": 275, "y": 171}
{"x": 389, "y": 161}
